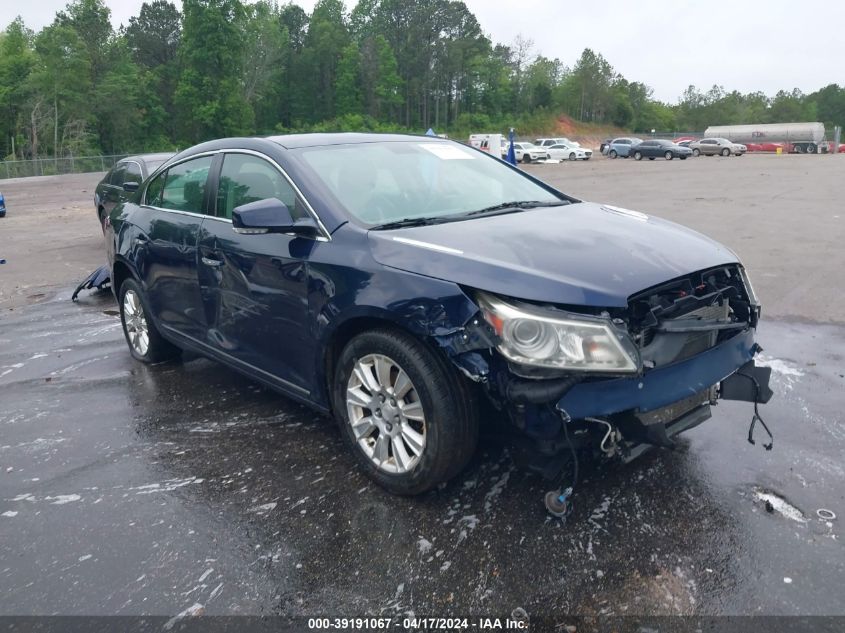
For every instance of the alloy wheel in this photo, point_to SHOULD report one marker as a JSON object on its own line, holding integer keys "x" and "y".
{"x": 386, "y": 414}
{"x": 137, "y": 330}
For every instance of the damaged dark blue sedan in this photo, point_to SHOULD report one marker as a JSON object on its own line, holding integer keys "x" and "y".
{"x": 403, "y": 284}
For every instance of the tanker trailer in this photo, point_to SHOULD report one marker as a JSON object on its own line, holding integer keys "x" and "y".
{"x": 801, "y": 138}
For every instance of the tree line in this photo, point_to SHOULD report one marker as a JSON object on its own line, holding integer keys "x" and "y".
{"x": 216, "y": 68}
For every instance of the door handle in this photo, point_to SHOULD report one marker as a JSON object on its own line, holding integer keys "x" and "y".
{"x": 214, "y": 263}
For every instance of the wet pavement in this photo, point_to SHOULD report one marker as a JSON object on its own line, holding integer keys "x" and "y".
{"x": 127, "y": 489}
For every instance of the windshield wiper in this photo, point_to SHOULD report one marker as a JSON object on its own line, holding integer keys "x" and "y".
{"x": 517, "y": 205}
{"x": 407, "y": 222}
{"x": 505, "y": 207}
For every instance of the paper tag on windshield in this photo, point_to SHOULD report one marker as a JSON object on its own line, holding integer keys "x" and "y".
{"x": 447, "y": 152}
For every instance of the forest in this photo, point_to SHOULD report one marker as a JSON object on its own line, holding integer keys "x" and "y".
{"x": 171, "y": 78}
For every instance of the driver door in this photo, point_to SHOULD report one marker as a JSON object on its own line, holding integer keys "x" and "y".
{"x": 255, "y": 287}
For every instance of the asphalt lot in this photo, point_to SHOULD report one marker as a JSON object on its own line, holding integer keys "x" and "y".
{"x": 127, "y": 489}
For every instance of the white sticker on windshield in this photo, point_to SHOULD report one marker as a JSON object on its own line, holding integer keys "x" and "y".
{"x": 447, "y": 152}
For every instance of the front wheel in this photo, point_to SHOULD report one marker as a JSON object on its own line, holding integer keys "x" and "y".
{"x": 145, "y": 342}
{"x": 613, "y": 153}
{"x": 696, "y": 152}
{"x": 408, "y": 416}
{"x": 726, "y": 152}
{"x": 638, "y": 156}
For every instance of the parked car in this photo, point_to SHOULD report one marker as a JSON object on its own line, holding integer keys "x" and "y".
{"x": 548, "y": 142}
{"x": 621, "y": 147}
{"x": 134, "y": 169}
{"x": 2, "y": 206}
{"x": 396, "y": 282}
{"x": 561, "y": 151}
{"x": 720, "y": 146}
{"x": 659, "y": 148}
{"x": 605, "y": 145}
{"x": 526, "y": 152}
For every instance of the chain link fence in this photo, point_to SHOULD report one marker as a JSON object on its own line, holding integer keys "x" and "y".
{"x": 55, "y": 166}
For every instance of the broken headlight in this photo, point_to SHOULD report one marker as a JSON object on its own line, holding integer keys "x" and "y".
{"x": 749, "y": 290}
{"x": 540, "y": 338}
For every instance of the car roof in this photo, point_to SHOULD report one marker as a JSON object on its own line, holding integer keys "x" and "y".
{"x": 161, "y": 156}
{"x": 295, "y": 141}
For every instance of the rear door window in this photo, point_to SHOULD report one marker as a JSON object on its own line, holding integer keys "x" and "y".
{"x": 182, "y": 187}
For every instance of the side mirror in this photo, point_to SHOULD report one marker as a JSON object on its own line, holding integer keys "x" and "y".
{"x": 131, "y": 187}
{"x": 270, "y": 215}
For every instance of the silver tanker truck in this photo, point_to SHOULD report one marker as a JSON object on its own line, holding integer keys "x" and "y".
{"x": 804, "y": 138}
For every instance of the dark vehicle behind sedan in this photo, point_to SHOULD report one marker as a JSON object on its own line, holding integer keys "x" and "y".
{"x": 659, "y": 148}
{"x": 404, "y": 284}
{"x": 132, "y": 169}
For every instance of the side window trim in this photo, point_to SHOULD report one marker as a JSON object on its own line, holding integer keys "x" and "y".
{"x": 326, "y": 236}
{"x": 163, "y": 173}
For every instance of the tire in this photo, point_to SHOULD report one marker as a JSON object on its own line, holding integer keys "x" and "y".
{"x": 101, "y": 213}
{"x": 572, "y": 156}
{"x": 682, "y": 157}
{"x": 696, "y": 152}
{"x": 638, "y": 156}
{"x": 726, "y": 152}
{"x": 526, "y": 158}
{"x": 137, "y": 323}
{"x": 651, "y": 157}
{"x": 668, "y": 156}
{"x": 449, "y": 425}
{"x": 811, "y": 148}
{"x": 612, "y": 153}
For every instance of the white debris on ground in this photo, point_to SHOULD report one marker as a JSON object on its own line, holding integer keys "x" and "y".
{"x": 780, "y": 505}
{"x": 267, "y": 507}
{"x": 785, "y": 372}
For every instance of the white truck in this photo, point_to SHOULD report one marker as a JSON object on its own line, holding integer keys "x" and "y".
{"x": 492, "y": 143}
{"x": 801, "y": 138}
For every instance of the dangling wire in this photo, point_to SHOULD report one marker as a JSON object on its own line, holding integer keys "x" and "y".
{"x": 756, "y": 417}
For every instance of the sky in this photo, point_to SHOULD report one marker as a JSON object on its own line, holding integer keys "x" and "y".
{"x": 745, "y": 45}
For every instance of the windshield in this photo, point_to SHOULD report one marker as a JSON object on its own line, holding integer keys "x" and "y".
{"x": 389, "y": 182}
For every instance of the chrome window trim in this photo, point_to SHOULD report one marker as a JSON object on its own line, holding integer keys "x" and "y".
{"x": 326, "y": 237}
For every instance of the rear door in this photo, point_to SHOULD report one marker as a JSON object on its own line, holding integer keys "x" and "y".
{"x": 255, "y": 287}
{"x": 176, "y": 201}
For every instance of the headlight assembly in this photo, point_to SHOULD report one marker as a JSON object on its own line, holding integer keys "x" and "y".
{"x": 570, "y": 342}
{"x": 749, "y": 289}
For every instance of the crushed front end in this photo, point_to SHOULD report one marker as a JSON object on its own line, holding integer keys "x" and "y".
{"x": 618, "y": 381}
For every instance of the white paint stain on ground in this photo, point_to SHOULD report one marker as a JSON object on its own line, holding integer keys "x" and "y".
{"x": 60, "y": 500}
{"x": 10, "y": 513}
{"x": 194, "y": 610}
{"x": 166, "y": 486}
{"x": 82, "y": 559}
{"x": 267, "y": 507}
{"x": 788, "y": 372}
{"x": 424, "y": 545}
{"x": 780, "y": 505}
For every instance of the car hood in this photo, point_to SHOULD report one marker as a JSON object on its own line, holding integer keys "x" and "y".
{"x": 581, "y": 254}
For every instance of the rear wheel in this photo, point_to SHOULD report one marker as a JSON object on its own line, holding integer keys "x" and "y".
{"x": 638, "y": 156}
{"x": 145, "y": 342}
{"x": 726, "y": 152}
{"x": 668, "y": 156}
{"x": 408, "y": 416}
